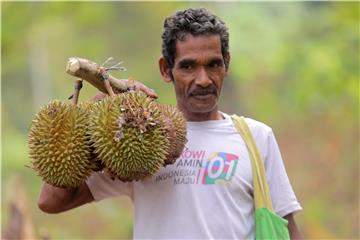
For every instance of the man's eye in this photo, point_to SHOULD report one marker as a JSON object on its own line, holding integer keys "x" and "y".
{"x": 215, "y": 65}
{"x": 186, "y": 67}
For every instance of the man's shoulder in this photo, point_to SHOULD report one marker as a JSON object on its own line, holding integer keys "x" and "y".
{"x": 258, "y": 128}
{"x": 257, "y": 125}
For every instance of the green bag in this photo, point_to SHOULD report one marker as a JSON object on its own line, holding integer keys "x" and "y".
{"x": 268, "y": 225}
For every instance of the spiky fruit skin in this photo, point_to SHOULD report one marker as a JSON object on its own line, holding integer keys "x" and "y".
{"x": 176, "y": 125}
{"x": 87, "y": 106}
{"x": 58, "y": 145}
{"x": 128, "y": 135}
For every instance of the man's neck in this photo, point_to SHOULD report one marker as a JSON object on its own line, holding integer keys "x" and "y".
{"x": 200, "y": 117}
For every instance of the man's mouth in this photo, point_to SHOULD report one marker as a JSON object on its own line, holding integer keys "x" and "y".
{"x": 203, "y": 96}
{"x": 206, "y": 93}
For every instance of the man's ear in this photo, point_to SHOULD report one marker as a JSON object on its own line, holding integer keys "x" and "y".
{"x": 164, "y": 70}
{"x": 227, "y": 61}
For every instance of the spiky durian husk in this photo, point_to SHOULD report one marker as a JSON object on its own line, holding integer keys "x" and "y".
{"x": 176, "y": 125}
{"x": 87, "y": 106}
{"x": 128, "y": 135}
{"x": 58, "y": 144}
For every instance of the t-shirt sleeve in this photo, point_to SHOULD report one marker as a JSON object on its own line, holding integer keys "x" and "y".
{"x": 102, "y": 186}
{"x": 282, "y": 194}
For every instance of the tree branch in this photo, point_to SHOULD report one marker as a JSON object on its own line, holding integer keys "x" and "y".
{"x": 92, "y": 73}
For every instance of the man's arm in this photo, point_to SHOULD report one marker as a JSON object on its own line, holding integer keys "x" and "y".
{"x": 293, "y": 229}
{"x": 55, "y": 200}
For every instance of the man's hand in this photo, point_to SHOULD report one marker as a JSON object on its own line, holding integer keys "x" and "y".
{"x": 132, "y": 85}
{"x": 55, "y": 200}
{"x": 138, "y": 86}
{"x": 293, "y": 229}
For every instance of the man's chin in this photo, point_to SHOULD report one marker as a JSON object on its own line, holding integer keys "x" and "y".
{"x": 202, "y": 108}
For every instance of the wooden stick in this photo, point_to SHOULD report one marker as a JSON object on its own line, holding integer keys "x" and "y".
{"x": 109, "y": 88}
{"x": 90, "y": 72}
{"x": 77, "y": 87}
{"x": 105, "y": 79}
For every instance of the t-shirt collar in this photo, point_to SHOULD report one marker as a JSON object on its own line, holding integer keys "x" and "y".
{"x": 211, "y": 123}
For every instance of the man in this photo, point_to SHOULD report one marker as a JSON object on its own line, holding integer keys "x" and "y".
{"x": 208, "y": 192}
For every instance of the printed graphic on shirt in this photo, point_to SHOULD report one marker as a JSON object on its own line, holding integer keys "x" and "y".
{"x": 194, "y": 168}
{"x": 219, "y": 168}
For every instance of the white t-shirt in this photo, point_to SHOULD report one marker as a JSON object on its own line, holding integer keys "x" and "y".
{"x": 208, "y": 192}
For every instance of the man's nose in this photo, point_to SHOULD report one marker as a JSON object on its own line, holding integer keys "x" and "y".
{"x": 202, "y": 78}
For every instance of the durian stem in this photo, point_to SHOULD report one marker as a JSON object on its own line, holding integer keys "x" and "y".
{"x": 105, "y": 78}
{"x": 109, "y": 88}
{"x": 90, "y": 72}
{"x": 77, "y": 87}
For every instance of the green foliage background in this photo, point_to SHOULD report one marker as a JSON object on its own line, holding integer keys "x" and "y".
{"x": 294, "y": 66}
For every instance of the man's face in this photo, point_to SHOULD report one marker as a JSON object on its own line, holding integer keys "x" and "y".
{"x": 198, "y": 73}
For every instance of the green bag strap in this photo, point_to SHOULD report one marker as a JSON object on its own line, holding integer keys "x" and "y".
{"x": 261, "y": 188}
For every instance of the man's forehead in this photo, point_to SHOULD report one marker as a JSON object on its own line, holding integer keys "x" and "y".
{"x": 193, "y": 45}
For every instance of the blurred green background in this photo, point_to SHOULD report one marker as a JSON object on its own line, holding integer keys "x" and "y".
{"x": 294, "y": 66}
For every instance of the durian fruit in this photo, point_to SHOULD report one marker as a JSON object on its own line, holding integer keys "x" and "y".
{"x": 87, "y": 106}
{"x": 59, "y": 144}
{"x": 176, "y": 125}
{"x": 129, "y": 135}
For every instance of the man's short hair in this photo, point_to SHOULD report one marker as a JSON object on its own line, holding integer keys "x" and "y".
{"x": 198, "y": 21}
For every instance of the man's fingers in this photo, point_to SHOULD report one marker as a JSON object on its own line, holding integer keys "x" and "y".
{"x": 138, "y": 87}
{"x": 99, "y": 96}
{"x": 146, "y": 90}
